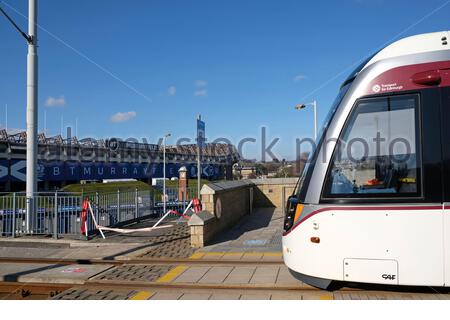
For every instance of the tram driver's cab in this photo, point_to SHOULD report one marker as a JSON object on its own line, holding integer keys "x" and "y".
{"x": 377, "y": 150}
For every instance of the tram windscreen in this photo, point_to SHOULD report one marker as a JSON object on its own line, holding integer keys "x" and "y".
{"x": 309, "y": 165}
{"x": 378, "y": 152}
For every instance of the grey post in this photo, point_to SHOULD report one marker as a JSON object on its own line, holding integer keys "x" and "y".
{"x": 136, "y": 209}
{"x": 164, "y": 171}
{"x": 199, "y": 165}
{"x": 32, "y": 111}
{"x": 118, "y": 205}
{"x": 55, "y": 217}
{"x": 97, "y": 207}
{"x": 13, "y": 231}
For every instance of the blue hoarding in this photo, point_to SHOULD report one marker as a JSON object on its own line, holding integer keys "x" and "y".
{"x": 72, "y": 171}
{"x": 15, "y": 170}
{"x": 4, "y": 166}
{"x": 52, "y": 171}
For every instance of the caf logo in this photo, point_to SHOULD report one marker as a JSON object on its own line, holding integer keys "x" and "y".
{"x": 376, "y": 88}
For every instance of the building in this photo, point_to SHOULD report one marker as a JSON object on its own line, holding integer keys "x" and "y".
{"x": 63, "y": 161}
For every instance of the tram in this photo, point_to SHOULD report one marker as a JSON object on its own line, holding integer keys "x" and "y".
{"x": 373, "y": 202}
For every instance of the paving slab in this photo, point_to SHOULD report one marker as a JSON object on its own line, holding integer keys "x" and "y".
{"x": 286, "y": 296}
{"x": 195, "y": 296}
{"x": 285, "y": 277}
{"x": 216, "y": 275}
{"x": 255, "y": 296}
{"x": 166, "y": 296}
{"x": 232, "y": 256}
{"x": 213, "y": 255}
{"x": 240, "y": 275}
{"x": 317, "y": 296}
{"x": 252, "y": 256}
{"x": 192, "y": 274}
{"x": 76, "y": 274}
{"x": 16, "y": 271}
{"x": 272, "y": 256}
{"x": 225, "y": 296}
{"x": 265, "y": 275}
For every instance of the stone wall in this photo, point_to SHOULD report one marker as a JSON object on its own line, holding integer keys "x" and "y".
{"x": 225, "y": 203}
{"x": 272, "y": 192}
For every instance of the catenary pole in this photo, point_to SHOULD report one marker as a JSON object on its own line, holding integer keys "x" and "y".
{"x": 32, "y": 110}
{"x": 199, "y": 165}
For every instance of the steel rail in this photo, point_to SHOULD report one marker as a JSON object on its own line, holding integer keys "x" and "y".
{"x": 140, "y": 261}
{"x": 22, "y": 290}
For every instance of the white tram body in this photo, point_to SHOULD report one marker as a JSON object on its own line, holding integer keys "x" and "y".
{"x": 373, "y": 204}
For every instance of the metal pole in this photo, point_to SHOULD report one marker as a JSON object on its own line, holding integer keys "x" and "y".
{"x": 13, "y": 231}
{"x": 55, "y": 217}
{"x": 199, "y": 171}
{"x": 315, "y": 119}
{"x": 164, "y": 175}
{"x": 97, "y": 207}
{"x": 118, "y": 205}
{"x": 136, "y": 209}
{"x": 32, "y": 110}
{"x": 199, "y": 166}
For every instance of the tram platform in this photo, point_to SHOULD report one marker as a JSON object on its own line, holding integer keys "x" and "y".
{"x": 244, "y": 262}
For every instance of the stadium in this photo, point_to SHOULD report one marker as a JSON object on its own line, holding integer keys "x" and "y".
{"x": 63, "y": 161}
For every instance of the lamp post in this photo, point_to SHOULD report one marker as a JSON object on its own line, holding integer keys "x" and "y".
{"x": 314, "y": 105}
{"x": 164, "y": 171}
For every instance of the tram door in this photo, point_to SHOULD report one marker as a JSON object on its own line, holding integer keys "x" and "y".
{"x": 445, "y": 124}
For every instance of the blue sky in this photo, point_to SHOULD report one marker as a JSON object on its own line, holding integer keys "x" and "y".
{"x": 143, "y": 68}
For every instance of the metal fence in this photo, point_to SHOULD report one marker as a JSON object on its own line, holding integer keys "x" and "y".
{"x": 59, "y": 213}
{"x": 44, "y": 220}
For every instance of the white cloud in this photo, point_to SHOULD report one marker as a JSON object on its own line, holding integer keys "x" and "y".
{"x": 172, "y": 90}
{"x": 55, "y": 102}
{"x": 123, "y": 116}
{"x": 201, "y": 93}
{"x": 299, "y": 77}
{"x": 201, "y": 90}
{"x": 200, "y": 83}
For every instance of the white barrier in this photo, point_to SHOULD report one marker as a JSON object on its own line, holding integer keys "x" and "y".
{"x": 147, "y": 229}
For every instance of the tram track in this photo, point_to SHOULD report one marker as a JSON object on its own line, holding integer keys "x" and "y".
{"x": 25, "y": 290}
{"x": 34, "y": 291}
{"x": 144, "y": 261}
{"x": 42, "y": 290}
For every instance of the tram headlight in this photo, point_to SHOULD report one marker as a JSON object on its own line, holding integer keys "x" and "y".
{"x": 290, "y": 213}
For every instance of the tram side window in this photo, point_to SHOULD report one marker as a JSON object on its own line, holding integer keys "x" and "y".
{"x": 378, "y": 152}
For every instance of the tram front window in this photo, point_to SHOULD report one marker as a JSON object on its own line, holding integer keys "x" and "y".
{"x": 378, "y": 152}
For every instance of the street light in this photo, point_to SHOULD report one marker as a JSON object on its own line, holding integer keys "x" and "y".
{"x": 314, "y": 104}
{"x": 164, "y": 171}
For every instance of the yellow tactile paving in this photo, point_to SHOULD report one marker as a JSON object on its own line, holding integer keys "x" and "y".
{"x": 197, "y": 255}
{"x": 232, "y": 255}
{"x": 214, "y": 255}
{"x": 142, "y": 295}
{"x": 172, "y": 274}
{"x": 252, "y": 256}
{"x": 272, "y": 254}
